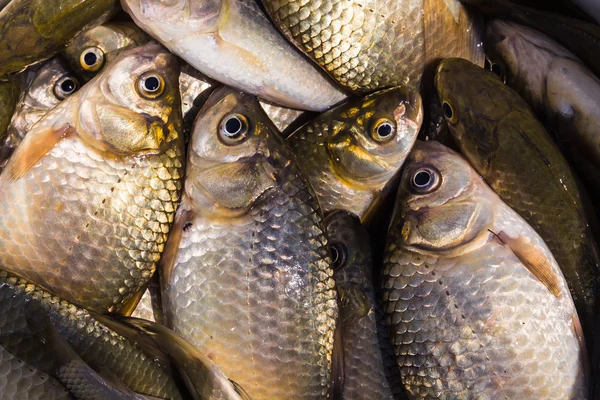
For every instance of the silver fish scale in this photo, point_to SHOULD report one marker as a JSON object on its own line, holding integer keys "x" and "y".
{"x": 257, "y": 295}
{"x": 19, "y": 380}
{"x": 104, "y": 220}
{"x": 446, "y": 318}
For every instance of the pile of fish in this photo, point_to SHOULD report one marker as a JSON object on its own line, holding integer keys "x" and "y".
{"x": 317, "y": 199}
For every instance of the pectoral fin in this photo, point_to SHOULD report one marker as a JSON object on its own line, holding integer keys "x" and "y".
{"x": 183, "y": 216}
{"x": 534, "y": 260}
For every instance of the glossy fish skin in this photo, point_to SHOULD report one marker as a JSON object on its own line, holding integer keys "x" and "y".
{"x": 10, "y": 91}
{"x": 500, "y": 136}
{"x": 33, "y": 30}
{"x": 266, "y": 315}
{"x": 103, "y": 44}
{"x": 557, "y": 85}
{"x": 477, "y": 306}
{"x": 369, "y": 45}
{"x": 234, "y": 43}
{"x": 281, "y": 117}
{"x": 369, "y": 364}
{"x": 19, "y": 380}
{"x": 93, "y": 187}
{"x": 51, "y": 84}
{"x": 346, "y": 160}
{"x": 98, "y": 345}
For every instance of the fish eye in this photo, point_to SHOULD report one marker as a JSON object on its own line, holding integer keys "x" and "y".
{"x": 65, "y": 87}
{"x": 338, "y": 255}
{"x": 449, "y": 112}
{"x": 151, "y": 85}
{"x": 233, "y": 128}
{"x": 383, "y": 131}
{"x": 91, "y": 59}
{"x": 425, "y": 180}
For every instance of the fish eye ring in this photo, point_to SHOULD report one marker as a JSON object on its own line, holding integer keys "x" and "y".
{"x": 233, "y": 128}
{"x": 65, "y": 87}
{"x": 383, "y": 131}
{"x": 151, "y": 85}
{"x": 91, "y": 59}
{"x": 338, "y": 255}
{"x": 425, "y": 180}
{"x": 449, "y": 113}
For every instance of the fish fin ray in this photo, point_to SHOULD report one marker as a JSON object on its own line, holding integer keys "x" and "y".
{"x": 169, "y": 256}
{"x": 336, "y": 384}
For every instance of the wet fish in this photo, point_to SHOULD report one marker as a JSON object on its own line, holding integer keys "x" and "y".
{"x": 499, "y": 134}
{"x": 194, "y": 88}
{"x": 282, "y": 117}
{"x": 34, "y": 30}
{"x": 561, "y": 90}
{"x": 369, "y": 45}
{"x": 91, "y": 50}
{"x": 476, "y": 304}
{"x": 51, "y": 84}
{"x": 234, "y": 43}
{"x": 246, "y": 275}
{"x": 91, "y": 191}
{"x": 369, "y": 366}
{"x": 41, "y": 329}
{"x": 351, "y": 152}
{"x": 10, "y": 92}
{"x": 150, "y": 305}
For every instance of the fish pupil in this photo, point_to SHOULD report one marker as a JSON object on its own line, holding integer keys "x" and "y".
{"x": 384, "y": 130}
{"x": 233, "y": 126}
{"x": 151, "y": 84}
{"x": 447, "y": 110}
{"x": 67, "y": 86}
{"x": 422, "y": 178}
{"x": 338, "y": 255}
{"x": 90, "y": 58}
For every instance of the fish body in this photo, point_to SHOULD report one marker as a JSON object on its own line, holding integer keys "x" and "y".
{"x": 93, "y": 49}
{"x": 34, "y": 30}
{"x": 476, "y": 304}
{"x": 282, "y": 117}
{"x": 246, "y": 275}
{"x": 351, "y": 152}
{"x": 10, "y": 92}
{"x": 557, "y": 85}
{"x": 234, "y": 43}
{"x": 369, "y": 45}
{"x": 91, "y": 191}
{"x": 499, "y": 134}
{"x": 50, "y": 85}
{"x": 591, "y": 7}
{"x": 369, "y": 366}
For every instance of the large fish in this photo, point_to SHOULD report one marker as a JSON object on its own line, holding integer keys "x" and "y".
{"x": 351, "y": 152}
{"x": 476, "y": 304}
{"x": 93, "y": 49}
{"x": 557, "y": 85}
{"x": 370, "y": 370}
{"x": 90, "y": 193}
{"x": 33, "y": 30}
{"x": 50, "y": 85}
{"x": 246, "y": 275}
{"x": 369, "y": 44}
{"x": 499, "y": 134}
{"x": 233, "y": 42}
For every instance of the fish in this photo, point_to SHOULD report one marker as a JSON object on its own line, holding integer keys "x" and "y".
{"x": 284, "y": 118}
{"x": 194, "y": 88}
{"x": 591, "y": 7}
{"x": 91, "y": 50}
{"x": 370, "y": 369}
{"x": 10, "y": 92}
{"x": 350, "y": 153}
{"x": 50, "y": 85}
{"x": 580, "y": 37}
{"x": 34, "y": 30}
{"x": 557, "y": 85}
{"x": 476, "y": 304}
{"x": 370, "y": 45}
{"x": 234, "y": 43}
{"x": 51, "y": 334}
{"x": 150, "y": 305}
{"x": 500, "y": 136}
{"x": 91, "y": 191}
{"x": 246, "y": 275}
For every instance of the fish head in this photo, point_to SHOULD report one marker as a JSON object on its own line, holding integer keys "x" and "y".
{"x": 174, "y": 18}
{"x": 134, "y": 105}
{"x": 474, "y": 102}
{"x": 91, "y": 50}
{"x": 441, "y": 201}
{"x": 235, "y": 154}
{"x": 371, "y": 137}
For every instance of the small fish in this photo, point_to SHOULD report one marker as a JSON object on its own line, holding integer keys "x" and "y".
{"x": 476, "y": 304}
{"x": 501, "y": 137}
{"x": 92, "y": 189}
{"x": 246, "y": 275}
{"x": 34, "y": 30}
{"x": 282, "y": 117}
{"x": 350, "y": 153}
{"x": 234, "y": 43}
{"x": 93, "y": 49}
{"x": 370, "y": 369}
{"x": 51, "y": 84}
